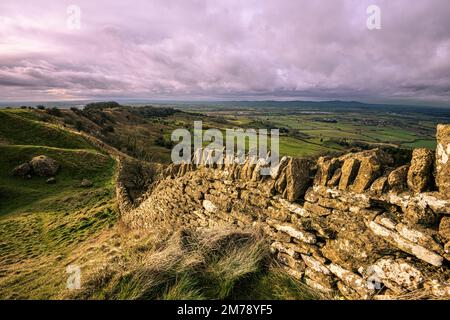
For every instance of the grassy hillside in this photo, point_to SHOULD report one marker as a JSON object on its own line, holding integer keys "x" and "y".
{"x": 23, "y": 127}
{"x": 44, "y": 228}
{"x": 40, "y": 223}
{"x": 22, "y": 195}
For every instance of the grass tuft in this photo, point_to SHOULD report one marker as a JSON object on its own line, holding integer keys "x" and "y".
{"x": 213, "y": 264}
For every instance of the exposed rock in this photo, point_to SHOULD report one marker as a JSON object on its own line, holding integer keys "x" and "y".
{"x": 352, "y": 280}
{"x": 406, "y": 245}
{"x": 334, "y": 181}
{"x": 315, "y": 209}
{"x": 447, "y": 250}
{"x": 379, "y": 186}
{"x": 420, "y": 172}
{"x": 44, "y": 166}
{"x": 436, "y": 202}
{"x": 444, "y": 227}
{"x": 278, "y": 246}
{"x": 248, "y": 168}
{"x": 276, "y": 171}
{"x": 397, "y": 178}
{"x": 325, "y": 169}
{"x": 280, "y": 183}
{"x": 293, "y": 207}
{"x": 260, "y": 165}
{"x": 292, "y": 263}
{"x": 323, "y": 191}
{"x": 311, "y": 196}
{"x": 297, "y": 178}
{"x": 332, "y": 204}
{"x": 325, "y": 281}
{"x": 438, "y": 289}
{"x": 397, "y": 271}
{"x": 293, "y": 273}
{"x": 386, "y": 221}
{"x": 281, "y": 215}
{"x": 86, "y": 183}
{"x": 22, "y": 170}
{"x": 433, "y": 201}
{"x": 321, "y": 226}
{"x": 348, "y": 292}
{"x": 349, "y": 171}
{"x": 315, "y": 264}
{"x": 51, "y": 180}
{"x": 296, "y": 233}
{"x": 442, "y": 159}
{"x": 416, "y": 213}
{"x": 353, "y": 246}
{"x": 369, "y": 170}
{"x": 282, "y": 237}
{"x": 422, "y": 236}
{"x": 383, "y": 297}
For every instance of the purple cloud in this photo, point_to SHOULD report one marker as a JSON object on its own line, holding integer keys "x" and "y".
{"x": 204, "y": 49}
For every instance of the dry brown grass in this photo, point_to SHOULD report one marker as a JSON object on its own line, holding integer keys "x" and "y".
{"x": 214, "y": 264}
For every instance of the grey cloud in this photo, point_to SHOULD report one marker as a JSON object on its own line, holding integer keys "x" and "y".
{"x": 229, "y": 49}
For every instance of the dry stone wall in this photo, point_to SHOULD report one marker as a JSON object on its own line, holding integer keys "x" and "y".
{"x": 355, "y": 225}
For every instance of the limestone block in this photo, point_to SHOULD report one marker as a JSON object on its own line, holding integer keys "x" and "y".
{"x": 297, "y": 178}
{"x": 442, "y": 159}
{"x": 349, "y": 171}
{"x": 420, "y": 174}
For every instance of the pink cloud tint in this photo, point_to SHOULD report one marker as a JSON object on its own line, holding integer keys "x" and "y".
{"x": 206, "y": 49}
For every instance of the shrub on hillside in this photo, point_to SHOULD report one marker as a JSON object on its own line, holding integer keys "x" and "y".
{"x": 102, "y": 105}
{"x": 79, "y": 125}
{"x": 160, "y": 141}
{"x": 107, "y": 129}
{"x": 54, "y": 112}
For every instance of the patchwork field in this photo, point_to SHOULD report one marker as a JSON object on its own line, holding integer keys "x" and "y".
{"x": 309, "y": 129}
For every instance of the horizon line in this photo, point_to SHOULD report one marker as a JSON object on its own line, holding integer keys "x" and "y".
{"x": 137, "y": 100}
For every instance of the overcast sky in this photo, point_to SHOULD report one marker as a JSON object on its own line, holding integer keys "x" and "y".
{"x": 244, "y": 49}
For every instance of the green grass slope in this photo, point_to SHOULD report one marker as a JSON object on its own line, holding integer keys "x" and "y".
{"x": 19, "y": 127}
{"x": 40, "y": 223}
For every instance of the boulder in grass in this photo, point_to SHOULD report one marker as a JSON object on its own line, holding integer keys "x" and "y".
{"x": 51, "y": 180}
{"x": 24, "y": 170}
{"x": 86, "y": 183}
{"x": 44, "y": 166}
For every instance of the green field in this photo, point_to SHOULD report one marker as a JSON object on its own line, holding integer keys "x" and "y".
{"x": 314, "y": 131}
